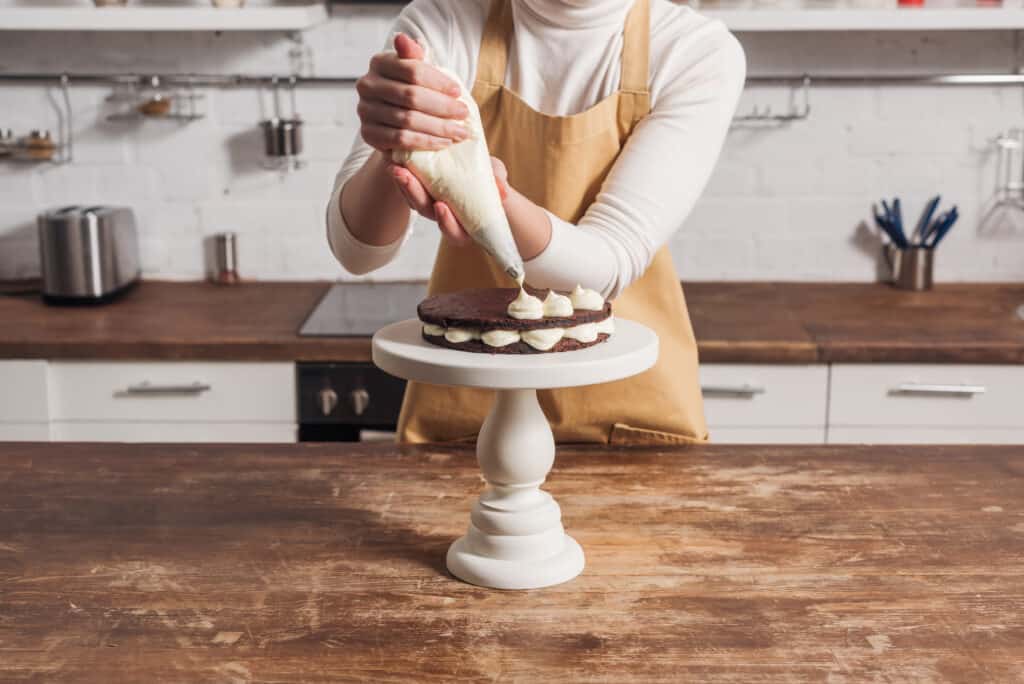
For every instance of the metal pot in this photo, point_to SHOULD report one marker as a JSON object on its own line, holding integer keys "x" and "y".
{"x": 282, "y": 137}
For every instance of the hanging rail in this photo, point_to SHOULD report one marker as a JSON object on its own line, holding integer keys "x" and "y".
{"x": 260, "y": 80}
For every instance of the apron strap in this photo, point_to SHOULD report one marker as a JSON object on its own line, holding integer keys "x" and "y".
{"x": 636, "y": 39}
{"x": 493, "y": 59}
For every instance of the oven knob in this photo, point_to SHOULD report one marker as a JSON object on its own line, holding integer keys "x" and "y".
{"x": 328, "y": 400}
{"x": 360, "y": 399}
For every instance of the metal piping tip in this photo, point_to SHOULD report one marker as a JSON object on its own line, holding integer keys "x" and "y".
{"x": 515, "y": 272}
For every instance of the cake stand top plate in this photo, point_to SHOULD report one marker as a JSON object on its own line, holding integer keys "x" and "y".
{"x": 399, "y": 349}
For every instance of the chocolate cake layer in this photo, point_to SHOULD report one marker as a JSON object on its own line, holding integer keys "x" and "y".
{"x": 487, "y": 309}
{"x": 563, "y": 345}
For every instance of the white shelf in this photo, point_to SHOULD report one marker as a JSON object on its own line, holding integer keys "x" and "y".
{"x": 290, "y": 17}
{"x": 907, "y": 19}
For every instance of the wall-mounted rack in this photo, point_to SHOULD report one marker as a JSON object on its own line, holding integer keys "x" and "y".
{"x": 38, "y": 146}
{"x": 266, "y": 80}
{"x": 798, "y": 112}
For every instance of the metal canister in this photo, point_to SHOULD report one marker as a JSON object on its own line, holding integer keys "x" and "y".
{"x": 282, "y": 137}
{"x": 225, "y": 254}
{"x": 912, "y": 268}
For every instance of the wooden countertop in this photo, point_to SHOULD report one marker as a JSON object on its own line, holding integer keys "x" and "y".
{"x": 326, "y": 563}
{"x": 735, "y": 323}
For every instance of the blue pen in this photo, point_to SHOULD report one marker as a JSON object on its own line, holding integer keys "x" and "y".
{"x": 886, "y": 226}
{"x": 924, "y": 222}
{"x": 897, "y": 219}
{"x": 947, "y": 225}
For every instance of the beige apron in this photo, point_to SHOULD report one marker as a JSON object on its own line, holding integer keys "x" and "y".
{"x": 560, "y": 162}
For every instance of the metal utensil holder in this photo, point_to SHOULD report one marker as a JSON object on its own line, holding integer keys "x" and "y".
{"x": 912, "y": 268}
{"x": 282, "y": 137}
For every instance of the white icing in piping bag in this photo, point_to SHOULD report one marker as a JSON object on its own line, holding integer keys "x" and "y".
{"x": 462, "y": 177}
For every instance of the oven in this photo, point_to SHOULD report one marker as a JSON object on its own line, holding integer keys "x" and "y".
{"x": 347, "y": 402}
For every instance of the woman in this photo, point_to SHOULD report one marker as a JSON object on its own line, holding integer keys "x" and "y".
{"x": 605, "y": 119}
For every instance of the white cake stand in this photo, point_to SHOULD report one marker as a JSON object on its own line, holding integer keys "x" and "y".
{"x": 515, "y": 538}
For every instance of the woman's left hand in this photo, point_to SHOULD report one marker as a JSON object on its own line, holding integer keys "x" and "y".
{"x": 420, "y": 201}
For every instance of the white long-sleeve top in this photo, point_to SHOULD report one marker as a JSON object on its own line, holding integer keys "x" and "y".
{"x": 564, "y": 58}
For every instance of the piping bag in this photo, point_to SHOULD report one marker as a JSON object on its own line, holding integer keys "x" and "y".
{"x": 462, "y": 177}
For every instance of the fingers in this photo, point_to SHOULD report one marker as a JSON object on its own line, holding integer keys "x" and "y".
{"x": 450, "y": 226}
{"x": 415, "y": 72}
{"x": 387, "y": 138}
{"x": 379, "y": 88}
{"x": 407, "y": 48}
{"x": 500, "y": 177}
{"x": 416, "y": 196}
{"x": 499, "y": 167}
{"x": 396, "y": 117}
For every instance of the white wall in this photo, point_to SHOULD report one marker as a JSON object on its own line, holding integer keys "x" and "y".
{"x": 785, "y": 203}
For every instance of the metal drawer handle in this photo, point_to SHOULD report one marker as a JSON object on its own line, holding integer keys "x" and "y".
{"x": 149, "y": 390}
{"x": 946, "y": 390}
{"x": 744, "y": 391}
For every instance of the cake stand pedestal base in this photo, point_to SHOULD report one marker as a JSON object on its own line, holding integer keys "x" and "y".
{"x": 515, "y": 538}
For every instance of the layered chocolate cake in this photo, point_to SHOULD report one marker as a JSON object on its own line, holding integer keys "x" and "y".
{"x": 516, "y": 321}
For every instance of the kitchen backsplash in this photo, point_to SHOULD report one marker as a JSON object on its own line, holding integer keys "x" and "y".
{"x": 785, "y": 203}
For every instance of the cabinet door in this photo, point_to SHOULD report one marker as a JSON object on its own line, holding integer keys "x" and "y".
{"x": 927, "y": 396}
{"x": 23, "y": 392}
{"x": 924, "y": 435}
{"x": 926, "y": 404}
{"x": 174, "y": 432}
{"x": 767, "y": 435}
{"x": 182, "y": 392}
{"x": 24, "y": 432}
{"x": 765, "y": 403}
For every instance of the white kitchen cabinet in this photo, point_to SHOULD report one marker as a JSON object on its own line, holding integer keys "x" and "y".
{"x": 67, "y": 431}
{"x": 767, "y": 435}
{"x": 184, "y": 392}
{"x": 24, "y": 432}
{"x": 24, "y": 405}
{"x": 759, "y": 403}
{"x": 926, "y": 403}
{"x": 924, "y": 435}
{"x": 172, "y": 401}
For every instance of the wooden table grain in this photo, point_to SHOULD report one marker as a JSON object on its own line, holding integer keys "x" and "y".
{"x": 324, "y": 563}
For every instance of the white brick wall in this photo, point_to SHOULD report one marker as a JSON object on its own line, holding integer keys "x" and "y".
{"x": 788, "y": 203}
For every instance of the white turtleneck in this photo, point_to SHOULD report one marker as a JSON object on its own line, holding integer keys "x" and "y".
{"x": 564, "y": 58}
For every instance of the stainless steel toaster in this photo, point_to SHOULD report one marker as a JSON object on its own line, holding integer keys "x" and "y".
{"x": 88, "y": 254}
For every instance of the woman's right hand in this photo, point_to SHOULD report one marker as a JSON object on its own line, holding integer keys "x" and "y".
{"x": 407, "y": 104}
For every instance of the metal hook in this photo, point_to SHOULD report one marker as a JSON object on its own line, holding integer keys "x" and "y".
{"x": 277, "y": 97}
{"x": 796, "y": 112}
{"x": 67, "y": 135}
{"x": 291, "y": 94}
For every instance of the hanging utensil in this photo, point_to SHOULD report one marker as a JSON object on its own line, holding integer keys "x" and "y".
{"x": 282, "y": 137}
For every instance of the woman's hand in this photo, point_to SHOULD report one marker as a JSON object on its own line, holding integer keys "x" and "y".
{"x": 420, "y": 201}
{"x": 407, "y": 104}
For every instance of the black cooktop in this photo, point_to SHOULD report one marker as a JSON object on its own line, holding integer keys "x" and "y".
{"x": 361, "y": 309}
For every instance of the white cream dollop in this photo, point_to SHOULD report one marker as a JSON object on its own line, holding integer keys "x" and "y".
{"x": 585, "y": 332}
{"x": 457, "y": 335}
{"x": 500, "y": 338}
{"x": 543, "y": 339}
{"x": 607, "y": 326}
{"x": 526, "y": 307}
{"x": 586, "y": 300}
{"x": 433, "y": 330}
{"x": 557, "y": 306}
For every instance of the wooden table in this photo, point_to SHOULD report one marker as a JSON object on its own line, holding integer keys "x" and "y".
{"x": 325, "y": 563}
